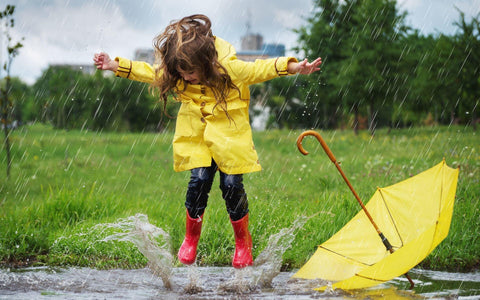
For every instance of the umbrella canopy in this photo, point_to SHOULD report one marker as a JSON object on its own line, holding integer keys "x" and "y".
{"x": 414, "y": 215}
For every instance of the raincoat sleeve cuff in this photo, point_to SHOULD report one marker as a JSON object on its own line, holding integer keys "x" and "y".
{"x": 135, "y": 70}
{"x": 124, "y": 67}
{"x": 281, "y": 65}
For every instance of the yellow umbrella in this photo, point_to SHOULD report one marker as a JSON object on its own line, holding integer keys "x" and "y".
{"x": 414, "y": 217}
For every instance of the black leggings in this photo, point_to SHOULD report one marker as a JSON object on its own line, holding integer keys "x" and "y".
{"x": 233, "y": 193}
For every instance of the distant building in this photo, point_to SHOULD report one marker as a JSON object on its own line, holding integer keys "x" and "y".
{"x": 274, "y": 50}
{"x": 251, "y": 55}
{"x": 252, "y": 42}
{"x": 267, "y": 51}
{"x": 254, "y": 48}
{"x": 145, "y": 54}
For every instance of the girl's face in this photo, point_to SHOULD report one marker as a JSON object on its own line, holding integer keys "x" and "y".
{"x": 192, "y": 77}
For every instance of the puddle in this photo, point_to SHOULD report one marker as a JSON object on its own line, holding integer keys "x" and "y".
{"x": 162, "y": 281}
{"x": 214, "y": 283}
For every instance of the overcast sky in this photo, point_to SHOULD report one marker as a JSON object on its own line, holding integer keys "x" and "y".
{"x": 70, "y": 31}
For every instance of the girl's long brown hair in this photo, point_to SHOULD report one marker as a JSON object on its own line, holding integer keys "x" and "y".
{"x": 189, "y": 45}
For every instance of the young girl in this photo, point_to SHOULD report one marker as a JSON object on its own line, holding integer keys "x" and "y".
{"x": 212, "y": 131}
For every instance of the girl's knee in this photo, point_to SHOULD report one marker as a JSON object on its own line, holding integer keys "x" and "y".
{"x": 200, "y": 178}
{"x": 198, "y": 189}
{"x": 234, "y": 195}
{"x": 229, "y": 182}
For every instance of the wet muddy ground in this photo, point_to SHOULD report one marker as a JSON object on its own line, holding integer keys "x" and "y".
{"x": 215, "y": 283}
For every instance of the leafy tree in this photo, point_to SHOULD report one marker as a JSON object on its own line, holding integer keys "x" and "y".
{"x": 436, "y": 79}
{"x": 373, "y": 50}
{"x": 13, "y": 49}
{"x": 324, "y": 36}
{"x": 468, "y": 49}
{"x": 69, "y": 99}
{"x": 359, "y": 41}
{"x": 447, "y": 76}
{"x": 59, "y": 96}
{"x": 21, "y": 110}
{"x": 125, "y": 105}
{"x": 406, "y": 101}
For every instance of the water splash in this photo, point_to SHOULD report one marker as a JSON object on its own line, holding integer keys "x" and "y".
{"x": 194, "y": 284}
{"x": 269, "y": 262}
{"x": 240, "y": 283}
{"x": 154, "y": 244}
{"x": 145, "y": 236}
{"x": 267, "y": 265}
{"x": 261, "y": 281}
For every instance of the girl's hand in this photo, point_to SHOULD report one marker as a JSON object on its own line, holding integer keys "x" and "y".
{"x": 103, "y": 62}
{"x": 304, "y": 67}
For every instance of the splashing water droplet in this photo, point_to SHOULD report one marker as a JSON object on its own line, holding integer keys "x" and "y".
{"x": 137, "y": 230}
{"x": 269, "y": 262}
{"x": 154, "y": 244}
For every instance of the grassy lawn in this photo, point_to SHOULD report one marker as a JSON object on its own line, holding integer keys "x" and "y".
{"x": 63, "y": 183}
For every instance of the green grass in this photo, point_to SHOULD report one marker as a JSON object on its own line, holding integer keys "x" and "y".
{"x": 64, "y": 183}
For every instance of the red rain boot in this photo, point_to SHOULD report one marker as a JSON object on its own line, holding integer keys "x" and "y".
{"x": 188, "y": 251}
{"x": 243, "y": 244}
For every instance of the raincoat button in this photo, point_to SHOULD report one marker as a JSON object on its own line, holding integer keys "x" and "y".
{"x": 202, "y": 119}
{"x": 203, "y": 104}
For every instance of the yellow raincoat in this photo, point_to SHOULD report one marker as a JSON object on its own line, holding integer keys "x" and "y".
{"x": 202, "y": 132}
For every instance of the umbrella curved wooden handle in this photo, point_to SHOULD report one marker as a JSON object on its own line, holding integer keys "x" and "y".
{"x": 319, "y": 138}
{"x": 334, "y": 160}
{"x": 385, "y": 241}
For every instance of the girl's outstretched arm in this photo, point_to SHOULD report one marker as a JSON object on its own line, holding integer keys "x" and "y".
{"x": 122, "y": 67}
{"x": 103, "y": 62}
{"x": 304, "y": 67}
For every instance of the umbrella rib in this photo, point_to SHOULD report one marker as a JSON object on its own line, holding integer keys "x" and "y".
{"x": 441, "y": 189}
{"x": 370, "y": 278}
{"x": 432, "y": 244}
{"x": 391, "y": 218}
{"x": 347, "y": 257}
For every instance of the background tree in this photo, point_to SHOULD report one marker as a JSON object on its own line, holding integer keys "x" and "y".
{"x": 468, "y": 50}
{"x": 376, "y": 72}
{"x": 374, "y": 58}
{"x": 359, "y": 41}
{"x": 407, "y": 104}
{"x": 323, "y": 36}
{"x": 7, "y": 22}
{"x": 22, "y": 110}
{"x": 436, "y": 79}
{"x": 59, "y": 95}
{"x": 69, "y": 99}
